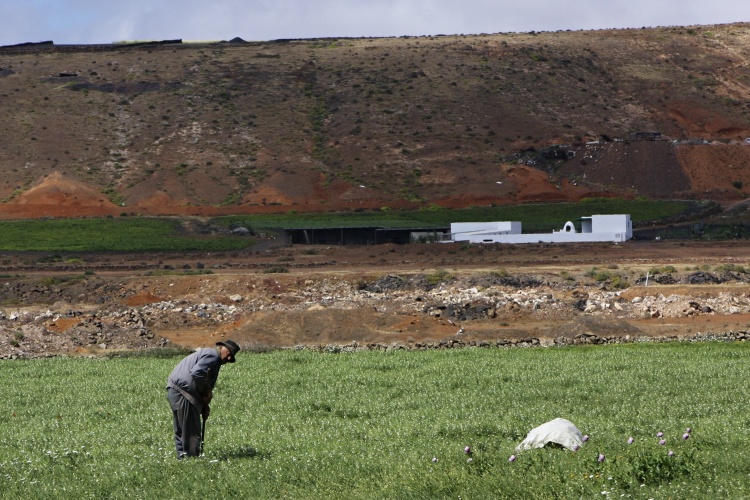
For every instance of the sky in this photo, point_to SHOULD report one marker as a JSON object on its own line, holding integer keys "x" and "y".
{"x": 108, "y": 21}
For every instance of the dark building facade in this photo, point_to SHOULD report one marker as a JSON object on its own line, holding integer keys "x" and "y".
{"x": 367, "y": 235}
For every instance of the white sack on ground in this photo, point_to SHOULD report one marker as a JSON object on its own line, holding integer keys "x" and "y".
{"x": 559, "y": 431}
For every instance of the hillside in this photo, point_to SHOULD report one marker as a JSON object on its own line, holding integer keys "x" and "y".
{"x": 327, "y": 124}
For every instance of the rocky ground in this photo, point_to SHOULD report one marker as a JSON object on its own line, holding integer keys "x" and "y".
{"x": 378, "y": 297}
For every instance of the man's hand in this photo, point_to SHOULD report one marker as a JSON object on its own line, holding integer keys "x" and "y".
{"x": 206, "y": 411}
{"x": 208, "y": 396}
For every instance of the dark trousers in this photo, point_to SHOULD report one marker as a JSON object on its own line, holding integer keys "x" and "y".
{"x": 186, "y": 420}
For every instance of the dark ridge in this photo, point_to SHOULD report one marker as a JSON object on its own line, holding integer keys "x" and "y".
{"x": 27, "y": 44}
{"x": 154, "y": 42}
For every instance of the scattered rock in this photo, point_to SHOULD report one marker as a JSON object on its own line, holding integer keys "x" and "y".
{"x": 382, "y": 313}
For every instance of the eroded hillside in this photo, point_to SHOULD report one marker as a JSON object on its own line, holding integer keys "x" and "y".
{"x": 324, "y": 124}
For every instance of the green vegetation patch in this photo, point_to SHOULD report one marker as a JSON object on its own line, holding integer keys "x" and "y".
{"x": 109, "y": 234}
{"x": 543, "y": 217}
{"x": 396, "y": 424}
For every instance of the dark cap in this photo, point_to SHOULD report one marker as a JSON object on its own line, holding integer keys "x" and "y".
{"x": 232, "y": 346}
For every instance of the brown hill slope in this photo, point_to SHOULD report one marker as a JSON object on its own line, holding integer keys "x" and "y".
{"x": 324, "y": 124}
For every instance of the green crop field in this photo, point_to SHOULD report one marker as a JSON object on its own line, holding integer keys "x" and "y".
{"x": 108, "y": 234}
{"x": 132, "y": 234}
{"x": 299, "y": 424}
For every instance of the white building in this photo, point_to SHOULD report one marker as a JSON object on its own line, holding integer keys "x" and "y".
{"x": 594, "y": 228}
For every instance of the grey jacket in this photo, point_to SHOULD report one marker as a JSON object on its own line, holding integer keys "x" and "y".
{"x": 196, "y": 374}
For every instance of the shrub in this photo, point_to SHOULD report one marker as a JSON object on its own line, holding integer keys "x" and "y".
{"x": 276, "y": 270}
{"x": 439, "y": 276}
{"x": 60, "y": 280}
{"x": 566, "y": 276}
{"x": 669, "y": 269}
{"x": 619, "y": 282}
{"x": 734, "y": 268}
{"x": 17, "y": 338}
{"x": 616, "y": 281}
{"x": 598, "y": 275}
{"x": 501, "y": 273}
